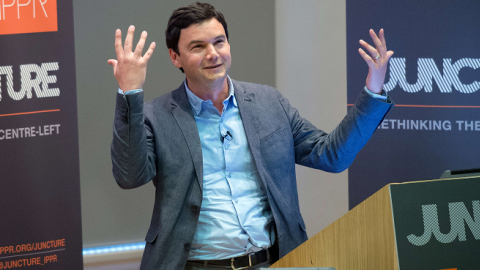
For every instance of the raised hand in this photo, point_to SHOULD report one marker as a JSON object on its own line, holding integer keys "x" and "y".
{"x": 130, "y": 68}
{"x": 377, "y": 63}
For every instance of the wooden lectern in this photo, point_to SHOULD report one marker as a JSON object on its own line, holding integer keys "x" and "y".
{"x": 396, "y": 229}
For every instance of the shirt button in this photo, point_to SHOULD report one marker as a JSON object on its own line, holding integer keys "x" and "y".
{"x": 194, "y": 208}
{"x": 187, "y": 246}
{"x": 235, "y": 201}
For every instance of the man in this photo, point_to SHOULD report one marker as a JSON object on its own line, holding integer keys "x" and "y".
{"x": 222, "y": 153}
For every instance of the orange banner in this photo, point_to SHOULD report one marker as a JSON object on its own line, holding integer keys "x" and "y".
{"x": 28, "y": 16}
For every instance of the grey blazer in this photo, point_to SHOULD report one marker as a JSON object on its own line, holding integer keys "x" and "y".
{"x": 159, "y": 141}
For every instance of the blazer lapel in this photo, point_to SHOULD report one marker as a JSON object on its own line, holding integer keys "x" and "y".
{"x": 183, "y": 114}
{"x": 248, "y": 113}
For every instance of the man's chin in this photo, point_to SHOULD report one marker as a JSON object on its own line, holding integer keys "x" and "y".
{"x": 216, "y": 76}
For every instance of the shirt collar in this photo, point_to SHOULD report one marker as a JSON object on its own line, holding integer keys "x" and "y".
{"x": 196, "y": 102}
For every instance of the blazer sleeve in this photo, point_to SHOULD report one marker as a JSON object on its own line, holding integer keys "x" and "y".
{"x": 132, "y": 149}
{"x": 335, "y": 151}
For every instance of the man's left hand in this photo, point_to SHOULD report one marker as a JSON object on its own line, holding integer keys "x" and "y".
{"x": 377, "y": 61}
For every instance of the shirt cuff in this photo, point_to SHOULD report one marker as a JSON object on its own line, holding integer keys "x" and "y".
{"x": 129, "y": 92}
{"x": 383, "y": 95}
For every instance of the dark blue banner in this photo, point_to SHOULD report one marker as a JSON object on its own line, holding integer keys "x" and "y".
{"x": 434, "y": 79}
{"x": 40, "y": 214}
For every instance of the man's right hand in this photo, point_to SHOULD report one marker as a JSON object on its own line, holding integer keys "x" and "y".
{"x": 130, "y": 68}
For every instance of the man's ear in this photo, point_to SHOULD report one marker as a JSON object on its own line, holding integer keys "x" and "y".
{"x": 174, "y": 57}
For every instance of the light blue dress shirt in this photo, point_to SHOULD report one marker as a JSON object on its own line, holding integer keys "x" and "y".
{"x": 235, "y": 217}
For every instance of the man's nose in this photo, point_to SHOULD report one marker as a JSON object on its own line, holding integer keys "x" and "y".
{"x": 211, "y": 52}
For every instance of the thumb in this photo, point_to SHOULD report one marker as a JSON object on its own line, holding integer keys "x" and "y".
{"x": 389, "y": 54}
{"x": 112, "y": 62}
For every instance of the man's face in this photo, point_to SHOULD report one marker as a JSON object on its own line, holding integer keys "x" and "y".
{"x": 204, "y": 52}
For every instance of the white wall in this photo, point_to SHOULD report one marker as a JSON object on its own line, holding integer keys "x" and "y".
{"x": 311, "y": 73}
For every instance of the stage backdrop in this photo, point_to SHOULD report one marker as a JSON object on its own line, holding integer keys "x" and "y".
{"x": 40, "y": 224}
{"x": 434, "y": 79}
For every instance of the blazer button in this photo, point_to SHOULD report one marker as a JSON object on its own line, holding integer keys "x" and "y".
{"x": 195, "y": 208}
{"x": 187, "y": 246}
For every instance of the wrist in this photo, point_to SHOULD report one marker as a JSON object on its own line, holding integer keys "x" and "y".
{"x": 382, "y": 95}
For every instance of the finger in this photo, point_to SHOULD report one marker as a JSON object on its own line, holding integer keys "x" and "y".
{"x": 382, "y": 38}
{"x": 377, "y": 42}
{"x": 141, "y": 43}
{"x": 118, "y": 43}
{"x": 129, "y": 39}
{"x": 366, "y": 57}
{"x": 149, "y": 52}
{"x": 373, "y": 52}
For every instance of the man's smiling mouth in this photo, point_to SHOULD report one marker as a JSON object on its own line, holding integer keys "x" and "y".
{"x": 211, "y": 67}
